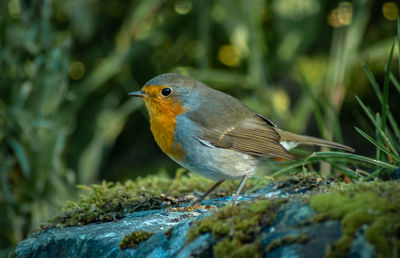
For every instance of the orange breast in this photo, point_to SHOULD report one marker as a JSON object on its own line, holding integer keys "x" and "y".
{"x": 163, "y": 115}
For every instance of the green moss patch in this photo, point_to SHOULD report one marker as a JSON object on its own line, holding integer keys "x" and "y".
{"x": 375, "y": 204}
{"x": 237, "y": 227}
{"x": 286, "y": 240}
{"x": 133, "y": 239}
{"x": 110, "y": 201}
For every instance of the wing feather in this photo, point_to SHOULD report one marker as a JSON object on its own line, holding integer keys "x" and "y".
{"x": 227, "y": 123}
{"x": 250, "y": 137}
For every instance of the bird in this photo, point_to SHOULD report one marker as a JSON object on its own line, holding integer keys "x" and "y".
{"x": 213, "y": 133}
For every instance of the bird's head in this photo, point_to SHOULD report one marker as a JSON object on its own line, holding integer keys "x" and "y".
{"x": 171, "y": 94}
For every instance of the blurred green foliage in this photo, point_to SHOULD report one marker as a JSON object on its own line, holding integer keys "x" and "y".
{"x": 66, "y": 68}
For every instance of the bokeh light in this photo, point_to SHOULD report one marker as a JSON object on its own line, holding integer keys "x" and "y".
{"x": 289, "y": 45}
{"x": 13, "y": 8}
{"x": 239, "y": 38}
{"x": 314, "y": 68}
{"x": 181, "y": 70}
{"x": 345, "y": 13}
{"x": 390, "y": 11}
{"x": 76, "y": 70}
{"x": 281, "y": 100}
{"x": 296, "y": 10}
{"x": 219, "y": 13}
{"x": 229, "y": 55}
{"x": 342, "y": 15}
{"x": 333, "y": 19}
{"x": 183, "y": 6}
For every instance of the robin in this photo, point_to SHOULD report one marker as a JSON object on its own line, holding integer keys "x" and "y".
{"x": 212, "y": 133}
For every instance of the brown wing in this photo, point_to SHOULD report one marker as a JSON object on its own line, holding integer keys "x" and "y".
{"x": 227, "y": 123}
{"x": 251, "y": 136}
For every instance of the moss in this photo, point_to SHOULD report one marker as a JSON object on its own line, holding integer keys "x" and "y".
{"x": 168, "y": 233}
{"x": 304, "y": 182}
{"x": 110, "y": 201}
{"x": 286, "y": 240}
{"x": 375, "y": 204}
{"x": 237, "y": 227}
{"x": 133, "y": 239}
{"x": 236, "y": 249}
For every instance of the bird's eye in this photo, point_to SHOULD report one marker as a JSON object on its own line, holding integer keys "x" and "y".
{"x": 166, "y": 91}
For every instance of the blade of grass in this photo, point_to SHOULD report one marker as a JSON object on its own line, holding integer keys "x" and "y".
{"x": 392, "y": 121}
{"x": 385, "y": 105}
{"x": 395, "y": 81}
{"x": 378, "y": 93}
{"x": 346, "y": 156}
{"x": 398, "y": 38}
{"x": 376, "y": 124}
{"x": 377, "y": 144}
{"x": 394, "y": 124}
{"x": 367, "y": 111}
{"x": 349, "y": 172}
{"x": 378, "y": 136}
{"x": 374, "y": 174}
{"x": 396, "y": 144}
{"x": 333, "y": 156}
{"x": 383, "y": 98}
{"x": 373, "y": 82}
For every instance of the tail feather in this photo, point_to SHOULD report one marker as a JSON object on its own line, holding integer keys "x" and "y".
{"x": 309, "y": 140}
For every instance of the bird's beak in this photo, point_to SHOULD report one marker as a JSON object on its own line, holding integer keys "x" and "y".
{"x": 139, "y": 93}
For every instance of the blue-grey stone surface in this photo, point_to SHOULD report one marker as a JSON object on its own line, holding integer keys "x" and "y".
{"x": 102, "y": 239}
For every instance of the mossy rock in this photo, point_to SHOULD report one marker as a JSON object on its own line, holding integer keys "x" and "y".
{"x": 307, "y": 216}
{"x": 375, "y": 205}
{"x": 112, "y": 201}
{"x": 238, "y": 227}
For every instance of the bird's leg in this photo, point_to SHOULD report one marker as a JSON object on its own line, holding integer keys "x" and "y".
{"x": 244, "y": 179}
{"x": 196, "y": 204}
{"x": 198, "y": 201}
